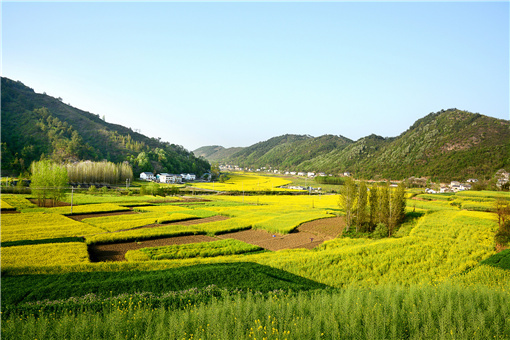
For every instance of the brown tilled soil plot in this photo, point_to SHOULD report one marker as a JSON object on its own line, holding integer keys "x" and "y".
{"x": 116, "y": 251}
{"x": 309, "y": 235}
{"x": 79, "y": 217}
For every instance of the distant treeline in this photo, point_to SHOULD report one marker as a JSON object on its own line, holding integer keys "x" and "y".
{"x": 330, "y": 180}
{"x": 99, "y": 172}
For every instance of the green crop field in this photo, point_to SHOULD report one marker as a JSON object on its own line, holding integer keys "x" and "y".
{"x": 438, "y": 277}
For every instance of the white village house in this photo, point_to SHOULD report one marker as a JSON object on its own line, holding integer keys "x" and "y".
{"x": 169, "y": 178}
{"x": 189, "y": 177}
{"x": 147, "y": 176}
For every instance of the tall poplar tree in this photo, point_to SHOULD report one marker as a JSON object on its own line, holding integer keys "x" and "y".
{"x": 348, "y": 195}
{"x": 361, "y": 206}
{"x": 373, "y": 201}
{"x": 384, "y": 204}
{"x": 397, "y": 207}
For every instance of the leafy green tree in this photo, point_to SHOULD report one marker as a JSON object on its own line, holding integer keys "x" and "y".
{"x": 215, "y": 170}
{"x": 502, "y": 208}
{"x": 153, "y": 189}
{"x": 397, "y": 207}
{"x": 384, "y": 204}
{"x": 48, "y": 181}
{"x": 348, "y": 195}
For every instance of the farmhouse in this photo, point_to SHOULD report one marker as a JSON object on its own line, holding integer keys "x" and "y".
{"x": 465, "y": 186}
{"x": 301, "y": 174}
{"x": 169, "y": 178}
{"x": 189, "y": 177}
{"x": 147, "y": 176}
{"x": 311, "y": 174}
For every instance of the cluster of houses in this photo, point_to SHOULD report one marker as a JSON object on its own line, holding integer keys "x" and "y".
{"x": 454, "y": 186}
{"x": 167, "y": 178}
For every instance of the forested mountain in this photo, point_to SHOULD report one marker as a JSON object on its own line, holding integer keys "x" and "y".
{"x": 36, "y": 125}
{"x": 446, "y": 145}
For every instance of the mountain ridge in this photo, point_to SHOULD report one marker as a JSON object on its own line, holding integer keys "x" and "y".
{"x": 447, "y": 145}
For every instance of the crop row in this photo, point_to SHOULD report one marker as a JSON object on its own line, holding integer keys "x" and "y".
{"x": 183, "y": 251}
{"x": 121, "y": 222}
{"x": 6, "y": 206}
{"x": 18, "y": 201}
{"x": 175, "y": 217}
{"x": 88, "y": 209}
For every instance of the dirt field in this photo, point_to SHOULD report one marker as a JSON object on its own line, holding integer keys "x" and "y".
{"x": 309, "y": 235}
{"x": 79, "y": 217}
{"x": 116, "y": 251}
{"x": 189, "y": 222}
{"x": 47, "y": 203}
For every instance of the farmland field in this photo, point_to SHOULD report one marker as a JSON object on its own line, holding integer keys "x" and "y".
{"x": 255, "y": 266}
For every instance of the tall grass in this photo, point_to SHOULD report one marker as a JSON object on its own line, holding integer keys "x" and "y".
{"x": 423, "y": 312}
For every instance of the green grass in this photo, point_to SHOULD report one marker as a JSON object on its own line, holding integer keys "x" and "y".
{"x": 242, "y": 275}
{"x": 499, "y": 260}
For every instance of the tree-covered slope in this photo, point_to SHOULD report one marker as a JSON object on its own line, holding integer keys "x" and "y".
{"x": 216, "y": 153}
{"x": 447, "y": 145}
{"x": 35, "y": 125}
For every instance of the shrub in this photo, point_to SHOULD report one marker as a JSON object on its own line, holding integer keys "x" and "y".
{"x": 381, "y": 231}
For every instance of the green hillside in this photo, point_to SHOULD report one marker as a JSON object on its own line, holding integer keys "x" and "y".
{"x": 216, "y": 153}
{"x": 35, "y": 125}
{"x": 447, "y": 145}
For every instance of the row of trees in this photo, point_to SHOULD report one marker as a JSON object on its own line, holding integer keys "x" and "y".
{"x": 99, "y": 172}
{"x": 50, "y": 181}
{"x": 502, "y": 209}
{"x": 330, "y": 180}
{"x": 365, "y": 209}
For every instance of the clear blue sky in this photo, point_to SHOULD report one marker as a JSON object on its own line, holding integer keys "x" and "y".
{"x": 234, "y": 74}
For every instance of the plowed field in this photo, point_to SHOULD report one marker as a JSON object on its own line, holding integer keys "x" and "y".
{"x": 309, "y": 235}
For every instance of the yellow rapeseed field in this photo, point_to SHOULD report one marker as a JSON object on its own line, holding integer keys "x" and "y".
{"x": 39, "y": 226}
{"x": 49, "y": 254}
{"x": 247, "y": 182}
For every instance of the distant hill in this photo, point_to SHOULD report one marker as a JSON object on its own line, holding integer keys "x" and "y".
{"x": 216, "y": 153}
{"x": 446, "y": 145}
{"x": 35, "y": 125}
